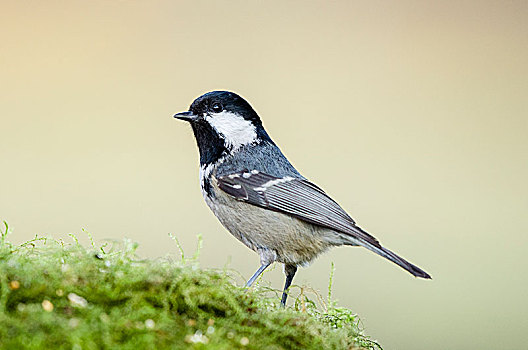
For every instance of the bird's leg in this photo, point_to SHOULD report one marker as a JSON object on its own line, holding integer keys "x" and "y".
{"x": 267, "y": 257}
{"x": 290, "y": 271}
{"x": 260, "y": 270}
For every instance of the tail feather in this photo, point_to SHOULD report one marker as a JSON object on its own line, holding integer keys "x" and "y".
{"x": 384, "y": 252}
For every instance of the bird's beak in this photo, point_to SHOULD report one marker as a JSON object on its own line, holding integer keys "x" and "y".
{"x": 187, "y": 116}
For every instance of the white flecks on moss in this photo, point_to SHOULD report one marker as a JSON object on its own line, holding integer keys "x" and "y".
{"x": 77, "y": 301}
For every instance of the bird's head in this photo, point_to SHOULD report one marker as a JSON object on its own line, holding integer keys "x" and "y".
{"x": 222, "y": 123}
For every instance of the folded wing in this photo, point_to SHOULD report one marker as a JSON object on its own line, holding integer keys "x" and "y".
{"x": 297, "y": 197}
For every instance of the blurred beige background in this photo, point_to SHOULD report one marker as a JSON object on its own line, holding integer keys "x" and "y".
{"x": 412, "y": 115}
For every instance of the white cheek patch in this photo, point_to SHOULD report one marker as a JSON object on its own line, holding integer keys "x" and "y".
{"x": 236, "y": 130}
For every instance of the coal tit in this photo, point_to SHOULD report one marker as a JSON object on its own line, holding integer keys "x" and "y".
{"x": 260, "y": 198}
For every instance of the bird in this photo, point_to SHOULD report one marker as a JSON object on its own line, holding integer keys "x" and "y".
{"x": 259, "y": 196}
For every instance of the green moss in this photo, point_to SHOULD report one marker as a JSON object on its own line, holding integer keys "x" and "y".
{"x": 63, "y": 296}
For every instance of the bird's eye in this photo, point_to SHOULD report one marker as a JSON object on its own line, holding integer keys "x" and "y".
{"x": 217, "y": 107}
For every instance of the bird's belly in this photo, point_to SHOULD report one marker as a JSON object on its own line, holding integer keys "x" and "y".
{"x": 292, "y": 240}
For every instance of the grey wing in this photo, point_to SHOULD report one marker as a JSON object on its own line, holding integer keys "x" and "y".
{"x": 297, "y": 197}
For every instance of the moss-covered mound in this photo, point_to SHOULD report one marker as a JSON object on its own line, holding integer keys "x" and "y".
{"x": 63, "y": 296}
